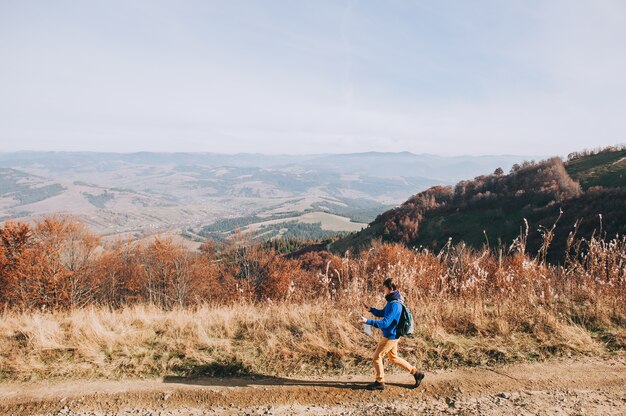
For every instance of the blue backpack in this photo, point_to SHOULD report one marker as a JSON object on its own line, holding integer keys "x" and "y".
{"x": 405, "y": 326}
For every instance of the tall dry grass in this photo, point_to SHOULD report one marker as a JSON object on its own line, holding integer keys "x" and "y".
{"x": 155, "y": 311}
{"x": 282, "y": 339}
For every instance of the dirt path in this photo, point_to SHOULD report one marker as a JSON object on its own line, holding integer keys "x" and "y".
{"x": 582, "y": 386}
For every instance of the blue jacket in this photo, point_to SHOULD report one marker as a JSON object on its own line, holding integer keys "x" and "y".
{"x": 390, "y": 314}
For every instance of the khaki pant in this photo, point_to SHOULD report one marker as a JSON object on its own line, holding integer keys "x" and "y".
{"x": 389, "y": 347}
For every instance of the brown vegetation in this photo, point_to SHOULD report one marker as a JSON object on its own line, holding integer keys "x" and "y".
{"x": 489, "y": 209}
{"x": 538, "y": 185}
{"x": 75, "y": 308}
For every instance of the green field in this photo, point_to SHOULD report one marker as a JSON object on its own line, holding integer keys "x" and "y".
{"x": 607, "y": 169}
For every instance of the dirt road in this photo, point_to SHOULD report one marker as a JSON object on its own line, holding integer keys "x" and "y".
{"x": 583, "y": 386}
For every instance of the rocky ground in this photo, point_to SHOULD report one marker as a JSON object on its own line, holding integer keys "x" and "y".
{"x": 587, "y": 386}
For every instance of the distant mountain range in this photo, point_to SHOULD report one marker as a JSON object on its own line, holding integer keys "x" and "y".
{"x": 143, "y": 193}
{"x": 377, "y": 164}
{"x": 586, "y": 195}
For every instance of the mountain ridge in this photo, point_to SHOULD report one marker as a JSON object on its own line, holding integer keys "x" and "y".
{"x": 492, "y": 208}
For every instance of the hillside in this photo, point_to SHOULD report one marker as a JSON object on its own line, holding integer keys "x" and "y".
{"x": 492, "y": 208}
{"x": 607, "y": 168}
{"x": 191, "y": 194}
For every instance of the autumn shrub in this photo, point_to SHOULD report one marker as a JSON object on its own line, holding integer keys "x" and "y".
{"x": 58, "y": 264}
{"x": 74, "y": 307}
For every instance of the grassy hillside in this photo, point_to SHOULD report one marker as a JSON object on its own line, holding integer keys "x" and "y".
{"x": 587, "y": 193}
{"x": 248, "y": 311}
{"x": 606, "y": 169}
{"x": 71, "y": 308}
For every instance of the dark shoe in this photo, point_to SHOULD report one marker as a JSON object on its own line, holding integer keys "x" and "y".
{"x": 376, "y": 386}
{"x": 418, "y": 378}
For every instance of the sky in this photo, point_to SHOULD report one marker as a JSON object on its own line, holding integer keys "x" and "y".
{"x": 444, "y": 77}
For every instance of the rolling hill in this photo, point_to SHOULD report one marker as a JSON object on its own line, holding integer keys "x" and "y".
{"x": 606, "y": 169}
{"x": 587, "y": 192}
{"x": 199, "y": 194}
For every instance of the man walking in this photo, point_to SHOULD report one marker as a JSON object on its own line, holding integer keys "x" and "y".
{"x": 388, "y": 345}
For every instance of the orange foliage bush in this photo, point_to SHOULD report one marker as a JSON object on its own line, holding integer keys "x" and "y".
{"x": 58, "y": 264}
{"x": 49, "y": 265}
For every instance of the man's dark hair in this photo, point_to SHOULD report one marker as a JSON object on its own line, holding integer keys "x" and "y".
{"x": 390, "y": 284}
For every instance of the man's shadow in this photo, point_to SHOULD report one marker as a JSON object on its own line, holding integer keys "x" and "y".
{"x": 198, "y": 377}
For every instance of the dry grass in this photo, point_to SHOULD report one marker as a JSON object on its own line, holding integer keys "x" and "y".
{"x": 279, "y": 316}
{"x": 144, "y": 341}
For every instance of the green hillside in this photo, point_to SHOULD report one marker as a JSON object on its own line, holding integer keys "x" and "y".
{"x": 607, "y": 169}
{"x": 492, "y": 208}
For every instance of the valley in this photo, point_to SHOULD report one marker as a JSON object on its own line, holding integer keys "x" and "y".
{"x": 181, "y": 194}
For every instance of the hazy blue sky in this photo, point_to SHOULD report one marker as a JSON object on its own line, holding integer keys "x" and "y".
{"x": 446, "y": 77}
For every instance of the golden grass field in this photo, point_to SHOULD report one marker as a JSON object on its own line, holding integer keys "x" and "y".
{"x": 277, "y": 339}
{"x": 144, "y": 310}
